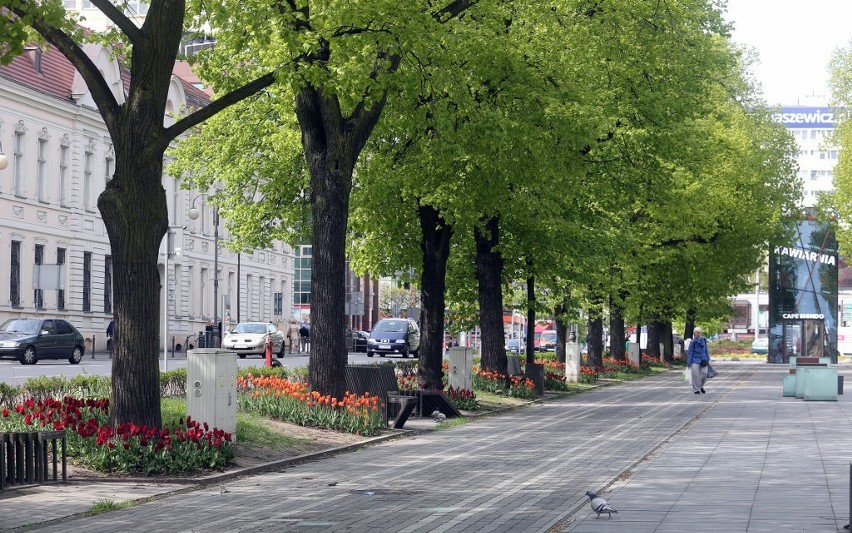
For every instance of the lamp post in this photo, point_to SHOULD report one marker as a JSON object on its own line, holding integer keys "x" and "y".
{"x": 193, "y": 215}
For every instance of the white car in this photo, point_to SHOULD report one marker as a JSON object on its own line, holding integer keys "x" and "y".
{"x": 249, "y": 338}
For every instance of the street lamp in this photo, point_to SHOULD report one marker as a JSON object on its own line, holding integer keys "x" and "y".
{"x": 193, "y": 215}
{"x": 4, "y": 161}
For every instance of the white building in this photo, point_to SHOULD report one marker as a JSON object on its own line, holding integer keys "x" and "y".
{"x": 60, "y": 157}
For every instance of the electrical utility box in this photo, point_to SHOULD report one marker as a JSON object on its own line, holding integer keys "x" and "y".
{"x": 461, "y": 360}
{"x": 211, "y": 388}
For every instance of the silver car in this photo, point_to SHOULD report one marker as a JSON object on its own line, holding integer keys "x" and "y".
{"x": 249, "y": 338}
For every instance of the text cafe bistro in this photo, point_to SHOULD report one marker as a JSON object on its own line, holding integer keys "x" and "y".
{"x": 803, "y": 295}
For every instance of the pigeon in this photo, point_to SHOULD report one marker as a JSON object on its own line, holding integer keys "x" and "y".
{"x": 600, "y": 505}
{"x": 438, "y": 416}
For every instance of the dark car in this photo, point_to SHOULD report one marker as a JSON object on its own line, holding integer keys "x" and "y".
{"x": 31, "y": 339}
{"x": 359, "y": 341}
{"x": 515, "y": 345}
{"x": 394, "y": 336}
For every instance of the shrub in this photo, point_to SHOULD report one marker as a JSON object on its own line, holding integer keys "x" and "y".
{"x": 173, "y": 383}
{"x": 86, "y": 386}
{"x": 9, "y": 394}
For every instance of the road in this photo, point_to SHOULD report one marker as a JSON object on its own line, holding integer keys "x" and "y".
{"x": 14, "y": 373}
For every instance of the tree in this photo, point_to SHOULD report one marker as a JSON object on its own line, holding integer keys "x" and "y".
{"x": 133, "y": 205}
{"x": 839, "y": 202}
{"x": 342, "y": 61}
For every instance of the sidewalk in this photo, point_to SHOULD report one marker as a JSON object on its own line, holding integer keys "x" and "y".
{"x": 740, "y": 458}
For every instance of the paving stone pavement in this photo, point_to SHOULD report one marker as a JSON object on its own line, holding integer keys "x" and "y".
{"x": 739, "y": 458}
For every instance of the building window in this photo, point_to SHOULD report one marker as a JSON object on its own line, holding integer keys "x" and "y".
{"x": 87, "y": 281}
{"x": 174, "y": 293}
{"x": 41, "y": 174}
{"x": 38, "y": 294}
{"x": 18, "y": 185}
{"x": 60, "y": 294}
{"x": 202, "y": 294}
{"x": 63, "y": 175}
{"x": 250, "y": 314}
{"x": 87, "y": 182}
{"x": 190, "y": 271}
{"x": 108, "y": 168}
{"x": 107, "y": 284}
{"x": 15, "y": 275}
{"x": 135, "y": 8}
{"x": 70, "y": 4}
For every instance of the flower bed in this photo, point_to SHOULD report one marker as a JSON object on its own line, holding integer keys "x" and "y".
{"x": 181, "y": 446}
{"x": 491, "y": 381}
{"x": 463, "y": 399}
{"x": 291, "y": 401}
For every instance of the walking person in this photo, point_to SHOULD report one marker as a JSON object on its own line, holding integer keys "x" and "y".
{"x": 304, "y": 338}
{"x": 698, "y": 361}
{"x": 110, "y": 332}
{"x": 293, "y": 335}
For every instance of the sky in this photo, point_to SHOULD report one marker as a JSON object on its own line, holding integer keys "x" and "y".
{"x": 795, "y": 40}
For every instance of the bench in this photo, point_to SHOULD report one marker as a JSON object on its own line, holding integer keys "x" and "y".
{"x": 380, "y": 380}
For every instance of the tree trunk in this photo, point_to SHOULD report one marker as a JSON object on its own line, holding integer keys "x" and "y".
{"x": 654, "y": 338}
{"x": 135, "y": 199}
{"x": 616, "y": 333}
{"x": 667, "y": 340}
{"x": 489, "y": 273}
{"x": 639, "y": 327}
{"x": 530, "y": 317}
{"x": 435, "y": 246}
{"x": 594, "y": 339}
{"x": 561, "y": 332}
{"x": 330, "y": 155}
{"x": 690, "y": 323}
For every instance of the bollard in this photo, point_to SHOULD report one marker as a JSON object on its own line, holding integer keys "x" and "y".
{"x": 94, "y": 343}
{"x": 173, "y": 345}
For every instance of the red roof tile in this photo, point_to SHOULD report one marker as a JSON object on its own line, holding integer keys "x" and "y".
{"x": 56, "y": 75}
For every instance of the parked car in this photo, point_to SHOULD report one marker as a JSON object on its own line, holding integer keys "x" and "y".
{"x": 31, "y": 339}
{"x": 760, "y": 345}
{"x": 359, "y": 341}
{"x": 394, "y": 336}
{"x": 249, "y": 338}
{"x": 547, "y": 341}
{"x": 516, "y": 345}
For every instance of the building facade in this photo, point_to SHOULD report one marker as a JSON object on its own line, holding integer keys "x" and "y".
{"x": 60, "y": 159}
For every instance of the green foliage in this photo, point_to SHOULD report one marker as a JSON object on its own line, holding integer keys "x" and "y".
{"x": 44, "y": 387}
{"x": 838, "y": 204}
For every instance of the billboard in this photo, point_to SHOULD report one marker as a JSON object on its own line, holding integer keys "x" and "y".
{"x": 806, "y": 117}
{"x": 803, "y": 313}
